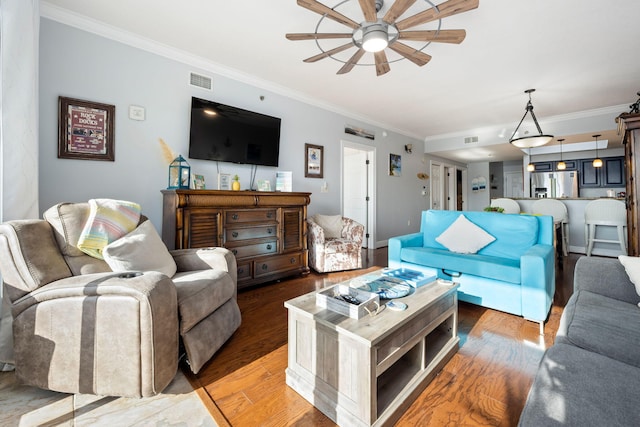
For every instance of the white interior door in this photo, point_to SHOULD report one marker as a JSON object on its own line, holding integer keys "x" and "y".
{"x": 437, "y": 187}
{"x": 513, "y": 184}
{"x": 358, "y": 187}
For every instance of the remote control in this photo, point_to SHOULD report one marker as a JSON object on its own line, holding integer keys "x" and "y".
{"x": 397, "y": 306}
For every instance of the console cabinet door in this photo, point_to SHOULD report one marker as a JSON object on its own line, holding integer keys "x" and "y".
{"x": 203, "y": 228}
{"x": 292, "y": 229}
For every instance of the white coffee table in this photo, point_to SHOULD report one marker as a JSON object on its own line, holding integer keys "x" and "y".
{"x": 368, "y": 371}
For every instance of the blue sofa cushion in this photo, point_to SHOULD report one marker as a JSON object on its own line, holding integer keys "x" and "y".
{"x": 511, "y": 242}
{"x": 504, "y": 269}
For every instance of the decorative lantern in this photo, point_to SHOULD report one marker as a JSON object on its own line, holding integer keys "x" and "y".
{"x": 179, "y": 173}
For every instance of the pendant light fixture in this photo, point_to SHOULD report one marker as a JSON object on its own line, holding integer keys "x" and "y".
{"x": 561, "y": 164}
{"x": 530, "y": 166}
{"x": 597, "y": 162}
{"x": 530, "y": 141}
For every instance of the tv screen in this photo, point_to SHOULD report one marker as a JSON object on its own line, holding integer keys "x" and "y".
{"x": 230, "y": 134}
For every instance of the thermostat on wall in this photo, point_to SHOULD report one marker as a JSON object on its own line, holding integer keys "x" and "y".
{"x": 136, "y": 112}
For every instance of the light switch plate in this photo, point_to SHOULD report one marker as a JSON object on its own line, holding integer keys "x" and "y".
{"x": 136, "y": 112}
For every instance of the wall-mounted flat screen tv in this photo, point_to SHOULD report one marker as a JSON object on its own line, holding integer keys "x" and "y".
{"x": 230, "y": 134}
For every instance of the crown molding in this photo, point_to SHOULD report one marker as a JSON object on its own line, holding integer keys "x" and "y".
{"x": 90, "y": 25}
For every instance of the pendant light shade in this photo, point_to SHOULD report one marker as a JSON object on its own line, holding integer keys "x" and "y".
{"x": 597, "y": 162}
{"x": 530, "y": 141}
{"x": 561, "y": 164}
{"x": 530, "y": 167}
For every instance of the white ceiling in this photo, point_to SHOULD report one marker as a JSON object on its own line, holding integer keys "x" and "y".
{"x": 579, "y": 54}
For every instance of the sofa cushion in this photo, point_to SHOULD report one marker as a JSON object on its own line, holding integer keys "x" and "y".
{"x": 602, "y": 325}
{"x": 338, "y": 246}
{"x": 514, "y": 234}
{"x": 504, "y": 269}
{"x": 574, "y": 387}
{"x": 67, "y": 220}
{"x": 140, "y": 250}
{"x": 464, "y": 237}
{"x": 331, "y": 224}
{"x": 200, "y": 293}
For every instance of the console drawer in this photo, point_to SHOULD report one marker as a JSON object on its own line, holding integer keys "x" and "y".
{"x": 236, "y": 234}
{"x": 266, "y": 248}
{"x": 277, "y": 263}
{"x": 244, "y": 270}
{"x": 252, "y": 215}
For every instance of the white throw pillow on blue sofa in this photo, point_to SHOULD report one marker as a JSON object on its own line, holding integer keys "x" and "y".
{"x": 464, "y": 237}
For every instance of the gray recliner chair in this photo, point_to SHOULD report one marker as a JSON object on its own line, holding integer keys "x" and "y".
{"x": 81, "y": 328}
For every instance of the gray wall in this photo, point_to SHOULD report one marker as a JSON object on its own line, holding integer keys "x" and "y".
{"x": 78, "y": 64}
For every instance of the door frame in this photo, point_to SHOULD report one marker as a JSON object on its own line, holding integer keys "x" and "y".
{"x": 370, "y": 227}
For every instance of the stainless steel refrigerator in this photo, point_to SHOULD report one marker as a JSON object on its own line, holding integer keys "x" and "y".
{"x": 554, "y": 184}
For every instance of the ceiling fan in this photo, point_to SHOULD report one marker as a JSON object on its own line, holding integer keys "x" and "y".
{"x": 375, "y": 33}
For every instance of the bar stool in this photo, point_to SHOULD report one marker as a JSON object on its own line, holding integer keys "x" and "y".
{"x": 558, "y": 211}
{"x": 605, "y": 212}
{"x": 509, "y": 205}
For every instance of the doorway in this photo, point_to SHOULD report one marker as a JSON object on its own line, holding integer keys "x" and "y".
{"x": 448, "y": 189}
{"x": 358, "y": 187}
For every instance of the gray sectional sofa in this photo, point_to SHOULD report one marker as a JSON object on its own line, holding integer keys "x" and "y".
{"x": 591, "y": 375}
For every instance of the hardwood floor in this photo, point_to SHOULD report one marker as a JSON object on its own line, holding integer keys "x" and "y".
{"x": 484, "y": 384}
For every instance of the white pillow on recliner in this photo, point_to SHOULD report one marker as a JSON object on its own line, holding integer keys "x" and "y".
{"x": 140, "y": 250}
{"x": 331, "y": 224}
{"x": 464, "y": 237}
{"x": 631, "y": 266}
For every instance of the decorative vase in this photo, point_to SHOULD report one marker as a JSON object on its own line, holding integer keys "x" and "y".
{"x": 235, "y": 185}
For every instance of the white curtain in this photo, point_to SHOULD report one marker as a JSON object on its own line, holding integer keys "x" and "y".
{"x": 19, "y": 32}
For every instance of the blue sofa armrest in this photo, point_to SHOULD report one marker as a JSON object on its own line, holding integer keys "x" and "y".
{"x": 397, "y": 243}
{"x": 538, "y": 281}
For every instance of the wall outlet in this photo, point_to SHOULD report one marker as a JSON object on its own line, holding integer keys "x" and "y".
{"x": 409, "y": 223}
{"x": 324, "y": 188}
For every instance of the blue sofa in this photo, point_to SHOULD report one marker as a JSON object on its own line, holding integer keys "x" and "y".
{"x": 515, "y": 273}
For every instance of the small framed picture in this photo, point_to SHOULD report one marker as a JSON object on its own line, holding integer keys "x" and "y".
{"x": 395, "y": 165}
{"x": 264, "y": 185}
{"x": 313, "y": 161}
{"x": 198, "y": 182}
{"x": 85, "y": 130}
{"x": 224, "y": 181}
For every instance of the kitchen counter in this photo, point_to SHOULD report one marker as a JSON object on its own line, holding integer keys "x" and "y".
{"x": 575, "y": 209}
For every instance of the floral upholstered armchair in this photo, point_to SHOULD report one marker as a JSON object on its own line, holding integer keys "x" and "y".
{"x": 335, "y": 243}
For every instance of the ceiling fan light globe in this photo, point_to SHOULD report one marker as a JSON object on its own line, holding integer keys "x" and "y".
{"x": 531, "y": 167}
{"x": 597, "y": 162}
{"x": 561, "y": 166}
{"x": 375, "y": 38}
{"x": 531, "y": 141}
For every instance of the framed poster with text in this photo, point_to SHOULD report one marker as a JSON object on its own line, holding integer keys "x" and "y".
{"x": 85, "y": 130}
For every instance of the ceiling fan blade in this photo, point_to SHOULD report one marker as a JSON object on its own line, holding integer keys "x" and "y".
{"x": 398, "y": 8}
{"x": 329, "y": 53}
{"x": 447, "y": 8}
{"x": 369, "y": 9}
{"x": 318, "y": 7}
{"x": 351, "y": 62}
{"x": 442, "y": 36}
{"x": 382, "y": 65}
{"x": 413, "y": 55}
{"x": 314, "y": 36}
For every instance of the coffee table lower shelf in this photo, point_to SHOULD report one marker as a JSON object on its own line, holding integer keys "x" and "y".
{"x": 369, "y": 371}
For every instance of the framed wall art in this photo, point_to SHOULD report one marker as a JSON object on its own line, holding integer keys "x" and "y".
{"x": 85, "y": 130}
{"x": 313, "y": 161}
{"x": 395, "y": 165}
